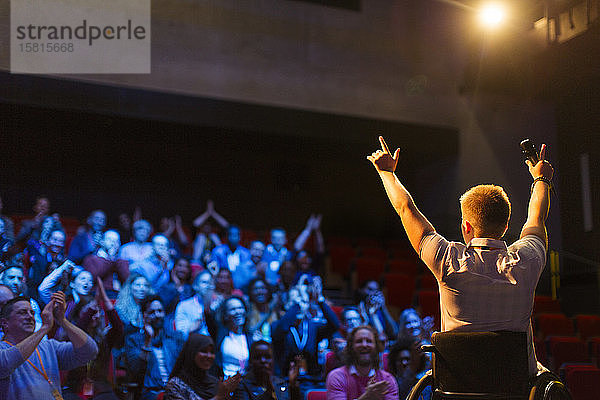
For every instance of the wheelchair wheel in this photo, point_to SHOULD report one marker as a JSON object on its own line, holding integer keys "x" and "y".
{"x": 418, "y": 391}
{"x": 549, "y": 390}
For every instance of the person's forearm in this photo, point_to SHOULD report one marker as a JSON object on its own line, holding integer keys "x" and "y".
{"x": 537, "y": 212}
{"x": 390, "y": 324}
{"x": 220, "y": 220}
{"x": 77, "y": 336}
{"x": 201, "y": 219}
{"x": 49, "y": 282}
{"x": 181, "y": 235}
{"x": 27, "y": 346}
{"x": 301, "y": 239}
{"x": 539, "y": 204}
{"x": 414, "y": 222}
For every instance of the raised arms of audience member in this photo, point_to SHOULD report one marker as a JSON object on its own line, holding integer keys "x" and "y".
{"x": 210, "y": 212}
{"x": 539, "y": 204}
{"x": 312, "y": 225}
{"x": 414, "y": 222}
{"x": 52, "y": 279}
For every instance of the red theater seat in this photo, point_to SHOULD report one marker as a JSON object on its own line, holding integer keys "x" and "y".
{"x": 587, "y": 325}
{"x": 545, "y": 305}
{"x": 341, "y": 258}
{"x": 406, "y": 266}
{"x": 316, "y": 394}
{"x": 566, "y": 349}
{"x": 553, "y": 325}
{"x": 399, "y": 289}
{"x": 583, "y": 381}
{"x": 368, "y": 269}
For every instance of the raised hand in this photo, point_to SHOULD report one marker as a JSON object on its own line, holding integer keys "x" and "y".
{"x": 542, "y": 168}
{"x": 148, "y": 334}
{"x": 294, "y": 370}
{"x": 228, "y": 386}
{"x": 382, "y": 159}
{"x": 210, "y": 207}
{"x": 60, "y": 306}
{"x": 48, "y": 315}
{"x": 102, "y": 296}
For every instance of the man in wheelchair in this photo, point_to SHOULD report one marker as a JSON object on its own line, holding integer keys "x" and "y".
{"x": 484, "y": 285}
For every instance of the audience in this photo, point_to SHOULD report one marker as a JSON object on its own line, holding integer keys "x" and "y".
{"x": 43, "y": 257}
{"x": 297, "y": 333}
{"x": 206, "y": 240}
{"x": 270, "y": 344}
{"x": 171, "y": 226}
{"x": 105, "y": 264}
{"x": 234, "y": 257}
{"x": 21, "y": 377}
{"x": 260, "y": 384}
{"x": 129, "y": 300}
{"x": 90, "y": 317}
{"x": 374, "y": 311}
{"x": 189, "y": 314}
{"x": 13, "y": 277}
{"x": 179, "y": 287}
{"x": 190, "y": 378}
{"x": 408, "y": 364}
{"x": 275, "y": 254}
{"x": 231, "y": 335}
{"x": 224, "y": 286}
{"x": 31, "y": 228}
{"x": 8, "y": 228}
{"x": 361, "y": 378}
{"x": 88, "y": 240}
{"x": 139, "y": 249}
{"x": 157, "y": 266}
{"x": 150, "y": 353}
{"x": 262, "y": 309}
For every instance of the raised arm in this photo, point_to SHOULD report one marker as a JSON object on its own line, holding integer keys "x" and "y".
{"x": 539, "y": 203}
{"x": 78, "y": 337}
{"x": 414, "y": 222}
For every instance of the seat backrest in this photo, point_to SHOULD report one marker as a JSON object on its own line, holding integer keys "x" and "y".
{"x": 316, "y": 395}
{"x": 481, "y": 362}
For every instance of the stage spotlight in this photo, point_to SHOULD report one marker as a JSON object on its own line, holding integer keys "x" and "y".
{"x": 492, "y": 15}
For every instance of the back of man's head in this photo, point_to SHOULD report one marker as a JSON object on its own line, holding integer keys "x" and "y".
{"x": 487, "y": 209}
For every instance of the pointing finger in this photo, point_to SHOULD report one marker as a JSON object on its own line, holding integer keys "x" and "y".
{"x": 543, "y": 152}
{"x": 384, "y": 146}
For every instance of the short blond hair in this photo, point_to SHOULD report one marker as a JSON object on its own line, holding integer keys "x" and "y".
{"x": 487, "y": 208}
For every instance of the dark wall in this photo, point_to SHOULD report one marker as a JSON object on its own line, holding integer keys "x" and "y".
{"x": 274, "y": 174}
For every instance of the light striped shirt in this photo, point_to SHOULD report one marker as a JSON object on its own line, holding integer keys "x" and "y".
{"x": 485, "y": 285}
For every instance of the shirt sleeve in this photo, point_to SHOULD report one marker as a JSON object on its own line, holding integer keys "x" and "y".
{"x": 337, "y": 386}
{"x": 69, "y": 357}
{"x": 531, "y": 251}
{"x": 392, "y": 393}
{"x": 10, "y": 359}
{"x": 432, "y": 250}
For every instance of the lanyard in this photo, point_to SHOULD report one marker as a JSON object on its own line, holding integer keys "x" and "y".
{"x": 300, "y": 343}
{"x": 44, "y": 374}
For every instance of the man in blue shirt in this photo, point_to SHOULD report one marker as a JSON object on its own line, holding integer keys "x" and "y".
{"x": 29, "y": 363}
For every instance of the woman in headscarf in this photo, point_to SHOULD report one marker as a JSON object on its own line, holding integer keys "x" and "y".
{"x": 190, "y": 379}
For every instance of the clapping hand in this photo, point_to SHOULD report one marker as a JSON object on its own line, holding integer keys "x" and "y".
{"x": 228, "y": 386}
{"x": 60, "y": 306}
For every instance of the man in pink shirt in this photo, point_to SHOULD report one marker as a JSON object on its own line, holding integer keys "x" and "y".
{"x": 361, "y": 378}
